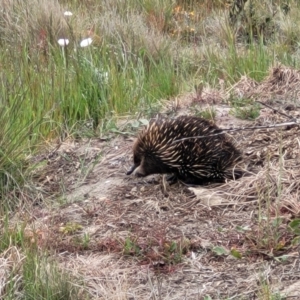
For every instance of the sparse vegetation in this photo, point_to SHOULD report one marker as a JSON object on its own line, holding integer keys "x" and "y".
{"x": 208, "y": 113}
{"x": 245, "y": 109}
{"x": 160, "y": 252}
{"x": 119, "y": 63}
{"x": 29, "y": 274}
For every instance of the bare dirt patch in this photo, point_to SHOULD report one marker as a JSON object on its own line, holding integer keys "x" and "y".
{"x": 131, "y": 238}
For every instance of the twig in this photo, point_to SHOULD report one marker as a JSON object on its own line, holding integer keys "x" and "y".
{"x": 276, "y": 110}
{"x": 236, "y": 129}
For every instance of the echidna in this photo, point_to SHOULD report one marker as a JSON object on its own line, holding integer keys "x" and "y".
{"x": 158, "y": 150}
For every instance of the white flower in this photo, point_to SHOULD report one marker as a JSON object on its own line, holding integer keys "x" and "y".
{"x": 86, "y": 42}
{"x": 68, "y": 13}
{"x": 63, "y": 42}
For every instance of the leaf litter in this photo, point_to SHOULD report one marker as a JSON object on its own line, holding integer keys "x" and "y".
{"x": 140, "y": 238}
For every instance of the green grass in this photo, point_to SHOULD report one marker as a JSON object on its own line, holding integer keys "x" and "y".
{"x": 49, "y": 93}
{"x": 245, "y": 109}
{"x": 42, "y": 280}
{"x": 33, "y": 275}
{"x": 208, "y": 113}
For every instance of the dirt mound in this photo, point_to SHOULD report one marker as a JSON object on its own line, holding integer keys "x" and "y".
{"x": 282, "y": 85}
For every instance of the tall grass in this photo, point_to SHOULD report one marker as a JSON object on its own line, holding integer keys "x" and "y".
{"x": 43, "y": 280}
{"x": 48, "y": 89}
{"x": 29, "y": 274}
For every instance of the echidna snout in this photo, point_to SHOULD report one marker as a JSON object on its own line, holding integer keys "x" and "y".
{"x": 145, "y": 167}
{"x": 137, "y": 171}
{"x": 131, "y": 170}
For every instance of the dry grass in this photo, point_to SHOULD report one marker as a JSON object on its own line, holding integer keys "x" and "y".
{"x": 11, "y": 262}
{"x": 282, "y": 85}
{"x": 34, "y": 26}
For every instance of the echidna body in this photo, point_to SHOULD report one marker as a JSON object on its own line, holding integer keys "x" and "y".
{"x": 158, "y": 150}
